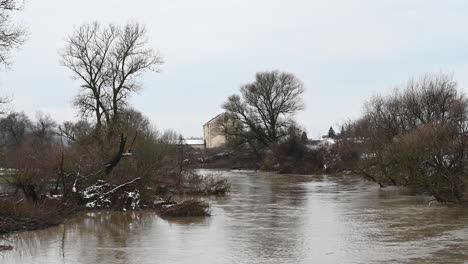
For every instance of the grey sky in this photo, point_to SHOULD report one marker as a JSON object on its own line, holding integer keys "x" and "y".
{"x": 343, "y": 50}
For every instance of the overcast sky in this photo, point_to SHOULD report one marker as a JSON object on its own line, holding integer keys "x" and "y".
{"x": 343, "y": 50}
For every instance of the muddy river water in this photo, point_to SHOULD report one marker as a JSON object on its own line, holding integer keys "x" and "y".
{"x": 267, "y": 218}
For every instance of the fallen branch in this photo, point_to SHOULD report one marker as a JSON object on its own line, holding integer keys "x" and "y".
{"x": 122, "y": 185}
{"x": 105, "y": 195}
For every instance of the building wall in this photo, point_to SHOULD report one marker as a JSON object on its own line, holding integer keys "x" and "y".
{"x": 197, "y": 146}
{"x": 211, "y": 133}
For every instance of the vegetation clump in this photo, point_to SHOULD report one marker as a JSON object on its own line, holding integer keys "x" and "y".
{"x": 19, "y": 215}
{"x": 207, "y": 184}
{"x": 417, "y": 136}
{"x": 190, "y": 208}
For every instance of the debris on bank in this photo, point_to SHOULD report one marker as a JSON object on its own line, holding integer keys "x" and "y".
{"x": 20, "y": 214}
{"x": 103, "y": 195}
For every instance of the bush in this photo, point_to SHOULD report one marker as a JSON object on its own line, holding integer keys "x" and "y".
{"x": 47, "y": 207}
{"x": 20, "y": 215}
{"x": 189, "y": 208}
{"x": 415, "y": 137}
{"x": 293, "y": 156}
{"x": 211, "y": 184}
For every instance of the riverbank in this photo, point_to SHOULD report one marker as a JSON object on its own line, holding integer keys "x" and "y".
{"x": 21, "y": 218}
{"x": 16, "y": 223}
{"x": 165, "y": 209}
{"x": 10, "y": 223}
{"x": 17, "y": 215}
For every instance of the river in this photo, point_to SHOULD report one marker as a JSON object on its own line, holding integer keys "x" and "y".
{"x": 267, "y": 218}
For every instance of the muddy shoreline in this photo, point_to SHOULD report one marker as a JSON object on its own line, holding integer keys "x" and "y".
{"x": 15, "y": 223}
{"x": 11, "y": 223}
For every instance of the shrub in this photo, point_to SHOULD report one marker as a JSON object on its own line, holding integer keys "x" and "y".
{"x": 190, "y": 208}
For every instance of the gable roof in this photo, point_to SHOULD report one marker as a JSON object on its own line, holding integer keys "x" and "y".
{"x": 214, "y": 118}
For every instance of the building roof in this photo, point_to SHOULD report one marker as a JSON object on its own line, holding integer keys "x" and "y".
{"x": 214, "y": 118}
{"x": 194, "y": 142}
{"x": 187, "y": 142}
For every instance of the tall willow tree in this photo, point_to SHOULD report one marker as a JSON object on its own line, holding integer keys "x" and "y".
{"x": 265, "y": 108}
{"x": 108, "y": 61}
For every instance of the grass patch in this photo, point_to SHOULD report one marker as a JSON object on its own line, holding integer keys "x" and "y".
{"x": 21, "y": 215}
{"x": 6, "y": 179}
{"x": 7, "y": 175}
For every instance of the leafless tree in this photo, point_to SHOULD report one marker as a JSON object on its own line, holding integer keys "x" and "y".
{"x": 44, "y": 126}
{"x": 12, "y": 36}
{"x": 108, "y": 61}
{"x": 74, "y": 131}
{"x": 263, "y": 110}
{"x": 4, "y": 100}
{"x": 13, "y": 128}
{"x": 415, "y": 136}
{"x": 426, "y": 100}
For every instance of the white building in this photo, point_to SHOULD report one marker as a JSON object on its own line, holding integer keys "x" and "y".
{"x": 212, "y": 131}
{"x": 195, "y": 143}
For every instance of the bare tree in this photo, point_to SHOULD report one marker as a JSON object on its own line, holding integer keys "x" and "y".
{"x": 108, "y": 61}
{"x": 263, "y": 110}
{"x": 44, "y": 127}
{"x": 12, "y": 36}
{"x": 13, "y": 128}
{"x": 4, "y": 100}
{"x": 414, "y": 136}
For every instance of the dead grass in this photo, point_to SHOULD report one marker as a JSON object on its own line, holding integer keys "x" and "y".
{"x": 211, "y": 184}
{"x": 21, "y": 207}
{"x": 20, "y": 215}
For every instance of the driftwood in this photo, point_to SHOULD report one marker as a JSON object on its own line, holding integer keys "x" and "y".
{"x": 122, "y": 185}
{"x": 105, "y": 195}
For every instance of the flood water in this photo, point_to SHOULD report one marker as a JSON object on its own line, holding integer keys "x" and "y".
{"x": 266, "y": 218}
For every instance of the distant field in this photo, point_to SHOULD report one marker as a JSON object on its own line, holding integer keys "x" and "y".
{"x": 7, "y": 175}
{"x": 6, "y": 179}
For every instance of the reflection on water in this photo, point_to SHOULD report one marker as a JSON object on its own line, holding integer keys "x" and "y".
{"x": 267, "y": 218}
